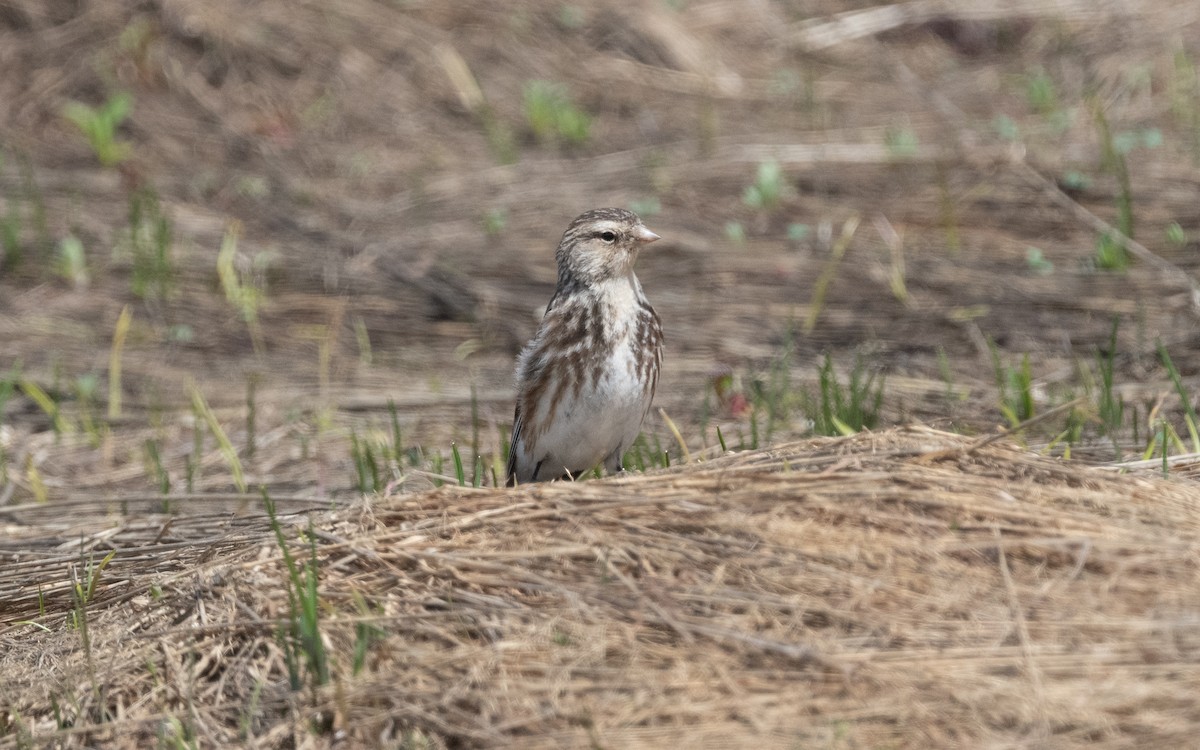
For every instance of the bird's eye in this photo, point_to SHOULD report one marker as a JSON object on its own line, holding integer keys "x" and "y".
{"x": 608, "y": 236}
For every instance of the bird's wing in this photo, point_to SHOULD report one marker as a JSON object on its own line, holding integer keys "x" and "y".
{"x": 511, "y": 469}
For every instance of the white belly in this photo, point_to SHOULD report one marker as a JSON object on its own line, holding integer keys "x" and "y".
{"x": 602, "y": 419}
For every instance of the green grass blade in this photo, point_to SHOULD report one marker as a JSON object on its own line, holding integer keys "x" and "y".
{"x": 459, "y": 473}
{"x": 1177, "y": 381}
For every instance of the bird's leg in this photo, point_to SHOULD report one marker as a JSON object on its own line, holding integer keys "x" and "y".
{"x": 613, "y": 464}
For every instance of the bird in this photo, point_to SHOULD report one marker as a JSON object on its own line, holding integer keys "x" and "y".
{"x": 586, "y": 380}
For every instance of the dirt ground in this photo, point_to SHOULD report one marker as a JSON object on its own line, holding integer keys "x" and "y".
{"x": 947, "y": 171}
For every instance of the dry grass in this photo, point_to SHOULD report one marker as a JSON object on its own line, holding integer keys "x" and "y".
{"x": 901, "y": 589}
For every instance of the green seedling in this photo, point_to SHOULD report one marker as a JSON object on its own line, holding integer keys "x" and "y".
{"x": 159, "y": 472}
{"x": 1110, "y": 406}
{"x": 1163, "y": 437}
{"x": 769, "y": 189}
{"x": 1126, "y": 141}
{"x": 1016, "y": 388}
{"x": 366, "y": 466}
{"x": 1074, "y": 180}
{"x": 478, "y": 473}
{"x": 475, "y": 426}
{"x": 1037, "y": 263}
{"x": 845, "y": 409}
{"x": 1071, "y": 434}
{"x": 646, "y": 206}
{"x": 244, "y": 287}
{"x": 798, "y": 233}
{"x": 300, "y": 638}
{"x": 499, "y": 466}
{"x": 251, "y": 411}
{"x": 901, "y": 142}
{"x": 99, "y": 126}
{"x": 459, "y": 473}
{"x": 10, "y": 234}
{"x": 495, "y": 221}
{"x": 192, "y": 463}
{"x": 772, "y": 394}
{"x": 1111, "y": 254}
{"x": 552, "y": 116}
{"x": 1112, "y": 158}
{"x": 397, "y": 452}
{"x": 571, "y": 17}
{"x": 436, "y": 464}
{"x": 79, "y": 621}
{"x": 71, "y": 264}
{"x": 895, "y": 244}
{"x": 1175, "y": 234}
{"x": 1006, "y": 128}
{"x": 735, "y": 232}
{"x": 1043, "y": 99}
{"x": 1040, "y": 92}
{"x": 149, "y": 243}
{"x": 14, "y": 223}
{"x": 366, "y": 633}
{"x": 1189, "y": 411}
{"x": 642, "y": 455}
{"x": 82, "y": 593}
{"x": 947, "y": 373}
{"x": 181, "y": 333}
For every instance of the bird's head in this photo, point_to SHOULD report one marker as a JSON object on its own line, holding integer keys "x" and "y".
{"x": 601, "y": 244}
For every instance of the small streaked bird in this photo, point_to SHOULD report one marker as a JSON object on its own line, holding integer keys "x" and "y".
{"x": 586, "y": 380}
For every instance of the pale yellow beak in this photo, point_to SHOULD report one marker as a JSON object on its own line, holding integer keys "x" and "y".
{"x": 644, "y": 235}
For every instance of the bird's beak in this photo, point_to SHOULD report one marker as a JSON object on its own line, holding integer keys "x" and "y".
{"x": 644, "y": 235}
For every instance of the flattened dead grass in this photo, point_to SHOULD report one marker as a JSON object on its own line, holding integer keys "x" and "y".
{"x": 901, "y": 589}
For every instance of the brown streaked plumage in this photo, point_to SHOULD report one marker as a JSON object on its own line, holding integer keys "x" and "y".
{"x": 586, "y": 380}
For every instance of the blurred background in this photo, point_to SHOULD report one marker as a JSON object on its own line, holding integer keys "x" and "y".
{"x": 299, "y": 244}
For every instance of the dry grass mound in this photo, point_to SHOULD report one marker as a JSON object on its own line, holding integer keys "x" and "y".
{"x": 901, "y": 589}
